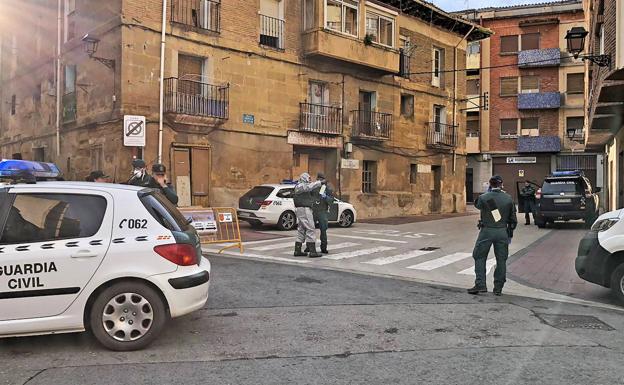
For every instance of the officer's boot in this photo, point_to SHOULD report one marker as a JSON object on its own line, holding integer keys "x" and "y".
{"x": 298, "y": 252}
{"x": 307, "y": 249}
{"x": 312, "y": 248}
{"x": 324, "y": 248}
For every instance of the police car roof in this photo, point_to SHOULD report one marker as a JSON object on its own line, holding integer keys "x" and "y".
{"x": 278, "y": 185}
{"x": 77, "y": 185}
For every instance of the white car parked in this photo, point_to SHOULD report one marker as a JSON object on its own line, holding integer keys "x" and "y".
{"x": 113, "y": 259}
{"x": 272, "y": 204}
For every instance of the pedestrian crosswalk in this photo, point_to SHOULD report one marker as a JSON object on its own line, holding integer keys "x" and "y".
{"x": 371, "y": 255}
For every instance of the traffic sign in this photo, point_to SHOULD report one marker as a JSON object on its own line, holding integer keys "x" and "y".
{"x": 134, "y": 131}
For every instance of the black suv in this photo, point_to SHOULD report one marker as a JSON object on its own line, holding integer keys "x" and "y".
{"x": 566, "y": 195}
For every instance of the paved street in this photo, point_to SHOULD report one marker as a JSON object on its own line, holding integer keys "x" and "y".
{"x": 269, "y": 323}
{"x": 440, "y": 251}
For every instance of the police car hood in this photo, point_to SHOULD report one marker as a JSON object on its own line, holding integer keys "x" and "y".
{"x": 612, "y": 214}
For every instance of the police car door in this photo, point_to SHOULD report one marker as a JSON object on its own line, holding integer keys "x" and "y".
{"x": 52, "y": 243}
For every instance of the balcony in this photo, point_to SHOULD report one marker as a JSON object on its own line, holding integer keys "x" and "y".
{"x": 440, "y": 135}
{"x": 539, "y": 101}
{"x": 335, "y": 45}
{"x": 271, "y": 32}
{"x": 534, "y": 58}
{"x": 200, "y": 14}
{"x": 193, "y": 98}
{"x": 320, "y": 119}
{"x": 371, "y": 125}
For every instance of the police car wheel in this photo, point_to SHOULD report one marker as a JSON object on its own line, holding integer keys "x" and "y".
{"x": 617, "y": 282}
{"x": 127, "y": 316}
{"x": 346, "y": 219}
{"x": 287, "y": 221}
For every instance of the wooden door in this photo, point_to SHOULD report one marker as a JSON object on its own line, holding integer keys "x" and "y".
{"x": 436, "y": 192}
{"x": 315, "y": 165}
{"x": 182, "y": 174}
{"x": 200, "y": 176}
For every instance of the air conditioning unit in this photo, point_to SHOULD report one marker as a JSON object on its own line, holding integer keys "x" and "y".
{"x": 486, "y": 157}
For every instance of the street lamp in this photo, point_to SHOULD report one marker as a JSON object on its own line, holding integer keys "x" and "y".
{"x": 575, "y": 39}
{"x": 90, "y": 44}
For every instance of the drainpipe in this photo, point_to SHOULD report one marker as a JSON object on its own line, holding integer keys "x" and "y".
{"x": 455, "y": 94}
{"x": 58, "y": 78}
{"x": 162, "y": 80}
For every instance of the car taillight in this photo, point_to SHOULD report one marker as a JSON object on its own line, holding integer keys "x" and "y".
{"x": 179, "y": 253}
{"x": 266, "y": 203}
{"x": 538, "y": 194}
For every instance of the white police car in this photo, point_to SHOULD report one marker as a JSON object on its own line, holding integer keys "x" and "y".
{"x": 600, "y": 257}
{"x": 113, "y": 259}
{"x": 272, "y": 204}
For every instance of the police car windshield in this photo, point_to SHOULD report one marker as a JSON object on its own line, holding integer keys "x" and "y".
{"x": 558, "y": 186}
{"x": 163, "y": 211}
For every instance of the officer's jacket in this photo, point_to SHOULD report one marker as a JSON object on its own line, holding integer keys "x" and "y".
{"x": 322, "y": 204}
{"x": 528, "y": 192}
{"x": 494, "y": 205}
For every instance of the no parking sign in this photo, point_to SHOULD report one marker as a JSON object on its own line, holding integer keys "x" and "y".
{"x": 134, "y": 131}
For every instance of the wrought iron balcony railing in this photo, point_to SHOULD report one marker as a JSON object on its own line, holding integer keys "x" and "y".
{"x": 441, "y": 135}
{"x": 371, "y": 124}
{"x": 203, "y": 14}
{"x": 320, "y": 118}
{"x": 191, "y": 97}
{"x": 271, "y": 32}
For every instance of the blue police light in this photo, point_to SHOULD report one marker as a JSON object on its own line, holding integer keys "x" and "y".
{"x": 568, "y": 173}
{"x": 27, "y": 169}
{"x": 289, "y": 181}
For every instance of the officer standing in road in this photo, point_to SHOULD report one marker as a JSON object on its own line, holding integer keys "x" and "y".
{"x": 159, "y": 181}
{"x": 498, "y": 220}
{"x": 321, "y": 207}
{"x": 304, "y": 198}
{"x": 528, "y": 197}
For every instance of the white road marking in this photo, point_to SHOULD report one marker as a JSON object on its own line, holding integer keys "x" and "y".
{"x": 357, "y": 253}
{"x": 367, "y": 238}
{"x": 268, "y": 257}
{"x": 268, "y": 240}
{"x": 274, "y": 246}
{"x": 398, "y": 257}
{"x": 488, "y": 267}
{"x": 333, "y": 247}
{"x": 440, "y": 262}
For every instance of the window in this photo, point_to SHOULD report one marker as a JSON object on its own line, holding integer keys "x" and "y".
{"x": 97, "y": 157}
{"x": 272, "y": 23}
{"x": 472, "y": 124}
{"x": 509, "y": 127}
{"x": 69, "y": 22}
{"x": 576, "y": 83}
{"x": 575, "y": 123}
{"x": 472, "y": 87}
{"x": 439, "y": 116}
{"x": 51, "y": 217}
{"x": 601, "y": 38}
{"x": 530, "y": 41}
{"x": 473, "y": 48}
{"x": 37, "y": 95}
{"x": 529, "y": 84}
{"x": 437, "y": 65}
{"x": 164, "y": 211}
{"x": 309, "y": 20}
{"x": 369, "y": 176}
{"x": 342, "y": 16}
{"x": 70, "y": 79}
{"x": 407, "y": 105}
{"x": 413, "y": 173}
{"x": 13, "y": 104}
{"x": 285, "y": 193}
{"x": 39, "y": 154}
{"x": 509, "y": 44}
{"x": 380, "y": 28}
{"x": 509, "y": 86}
{"x": 529, "y": 127}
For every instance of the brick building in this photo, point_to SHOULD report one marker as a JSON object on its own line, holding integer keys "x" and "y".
{"x": 605, "y": 105}
{"x": 254, "y": 92}
{"x": 535, "y": 121}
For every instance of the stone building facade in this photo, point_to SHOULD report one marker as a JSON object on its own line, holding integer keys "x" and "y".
{"x": 254, "y": 92}
{"x": 536, "y": 94}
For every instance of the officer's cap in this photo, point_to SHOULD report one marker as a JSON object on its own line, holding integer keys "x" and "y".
{"x": 138, "y": 163}
{"x": 159, "y": 168}
{"x": 496, "y": 179}
{"x": 320, "y": 175}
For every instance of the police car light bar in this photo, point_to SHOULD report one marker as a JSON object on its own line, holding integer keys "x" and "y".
{"x": 289, "y": 181}
{"x": 12, "y": 169}
{"x": 568, "y": 173}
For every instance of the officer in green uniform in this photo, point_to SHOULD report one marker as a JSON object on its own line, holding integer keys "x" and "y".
{"x": 528, "y": 201}
{"x": 321, "y": 209}
{"x": 498, "y": 220}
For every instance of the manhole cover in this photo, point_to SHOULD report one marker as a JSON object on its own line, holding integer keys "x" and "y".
{"x": 574, "y": 321}
{"x": 430, "y": 248}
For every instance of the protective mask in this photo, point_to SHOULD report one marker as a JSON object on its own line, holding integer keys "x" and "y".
{"x": 138, "y": 173}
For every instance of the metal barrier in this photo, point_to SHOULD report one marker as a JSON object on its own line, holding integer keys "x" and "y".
{"x": 216, "y": 225}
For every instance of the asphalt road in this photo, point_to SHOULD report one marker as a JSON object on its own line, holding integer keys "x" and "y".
{"x": 270, "y": 323}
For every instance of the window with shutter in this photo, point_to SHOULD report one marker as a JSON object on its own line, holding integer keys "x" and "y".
{"x": 530, "y": 41}
{"x": 472, "y": 87}
{"x": 529, "y": 127}
{"x": 529, "y": 84}
{"x": 576, "y": 83}
{"x": 509, "y": 44}
{"x": 509, "y": 127}
{"x": 509, "y": 86}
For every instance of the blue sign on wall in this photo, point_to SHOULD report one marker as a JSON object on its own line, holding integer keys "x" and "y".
{"x": 249, "y": 119}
